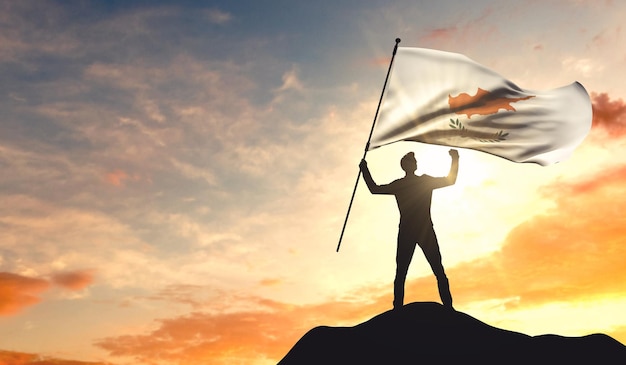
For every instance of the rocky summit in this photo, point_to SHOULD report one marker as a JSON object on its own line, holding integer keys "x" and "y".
{"x": 429, "y": 333}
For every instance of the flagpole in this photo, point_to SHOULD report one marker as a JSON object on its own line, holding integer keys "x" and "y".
{"x": 367, "y": 145}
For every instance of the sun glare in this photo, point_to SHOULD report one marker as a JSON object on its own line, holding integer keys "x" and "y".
{"x": 474, "y": 167}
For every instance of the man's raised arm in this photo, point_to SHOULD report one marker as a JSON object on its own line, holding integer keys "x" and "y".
{"x": 371, "y": 185}
{"x": 454, "y": 167}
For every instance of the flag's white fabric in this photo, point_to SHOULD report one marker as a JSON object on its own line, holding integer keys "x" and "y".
{"x": 447, "y": 99}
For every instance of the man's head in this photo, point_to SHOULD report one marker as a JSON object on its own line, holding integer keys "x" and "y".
{"x": 408, "y": 163}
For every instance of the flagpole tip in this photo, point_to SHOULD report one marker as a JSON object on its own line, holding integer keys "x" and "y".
{"x": 397, "y": 40}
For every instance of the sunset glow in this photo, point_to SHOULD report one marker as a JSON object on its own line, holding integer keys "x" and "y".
{"x": 176, "y": 176}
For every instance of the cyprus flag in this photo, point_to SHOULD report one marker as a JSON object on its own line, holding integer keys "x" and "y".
{"x": 448, "y": 99}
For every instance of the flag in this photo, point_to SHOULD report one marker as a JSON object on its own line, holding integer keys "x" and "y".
{"x": 448, "y": 99}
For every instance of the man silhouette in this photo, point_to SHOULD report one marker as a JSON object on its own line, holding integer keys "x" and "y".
{"x": 414, "y": 194}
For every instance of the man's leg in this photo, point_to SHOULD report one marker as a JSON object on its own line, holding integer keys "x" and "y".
{"x": 404, "y": 254}
{"x": 430, "y": 246}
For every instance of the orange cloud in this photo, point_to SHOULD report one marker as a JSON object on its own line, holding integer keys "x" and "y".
{"x": 609, "y": 114}
{"x": 270, "y": 282}
{"x": 380, "y": 61}
{"x": 604, "y": 179}
{"x": 22, "y": 358}
{"x": 576, "y": 252}
{"x": 469, "y": 29}
{"x": 441, "y": 34}
{"x": 18, "y": 292}
{"x": 116, "y": 178}
{"x": 267, "y": 332}
{"x": 182, "y": 294}
{"x": 73, "y": 280}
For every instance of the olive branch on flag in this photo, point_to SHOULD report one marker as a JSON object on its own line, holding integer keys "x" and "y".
{"x": 496, "y": 137}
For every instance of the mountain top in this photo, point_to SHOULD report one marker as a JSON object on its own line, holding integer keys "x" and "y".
{"x": 429, "y": 332}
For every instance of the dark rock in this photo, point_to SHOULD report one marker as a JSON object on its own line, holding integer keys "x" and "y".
{"x": 430, "y": 333}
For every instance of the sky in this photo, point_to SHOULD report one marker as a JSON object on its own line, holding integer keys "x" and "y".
{"x": 175, "y": 176}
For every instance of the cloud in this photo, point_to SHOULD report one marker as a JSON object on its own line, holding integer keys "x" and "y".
{"x": 379, "y": 61}
{"x": 472, "y": 29}
{"x": 217, "y": 16}
{"x": 607, "y": 37}
{"x": 40, "y": 237}
{"x": 116, "y": 177}
{"x": 574, "y": 252}
{"x": 609, "y": 115}
{"x": 18, "y": 38}
{"x": 586, "y": 67}
{"x": 193, "y": 295}
{"x": 265, "y": 333}
{"x": 270, "y": 281}
{"x": 291, "y": 84}
{"x": 601, "y": 180}
{"x": 291, "y": 81}
{"x": 73, "y": 280}
{"x": 18, "y": 292}
{"x": 442, "y": 34}
{"x": 534, "y": 267}
{"x": 196, "y": 125}
{"x": 194, "y": 172}
{"x": 23, "y": 358}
